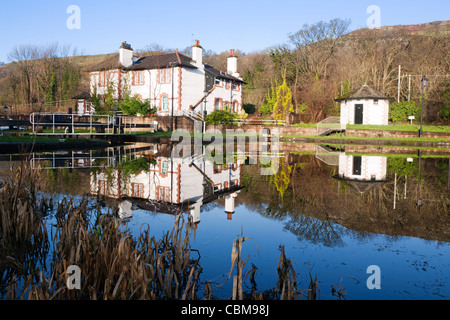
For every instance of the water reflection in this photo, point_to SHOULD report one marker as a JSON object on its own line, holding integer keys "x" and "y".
{"x": 162, "y": 183}
{"x": 363, "y": 192}
{"x": 101, "y": 158}
{"x": 340, "y": 210}
{"x": 362, "y": 172}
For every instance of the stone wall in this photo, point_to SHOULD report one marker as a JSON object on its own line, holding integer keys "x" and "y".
{"x": 394, "y": 134}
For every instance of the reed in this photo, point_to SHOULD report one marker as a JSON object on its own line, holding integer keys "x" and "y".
{"x": 24, "y": 241}
{"x": 114, "y": 264}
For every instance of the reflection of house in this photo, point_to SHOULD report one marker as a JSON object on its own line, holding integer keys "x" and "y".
{"x": 362, "y": 172}
{"x": 172, "y": 182}
{"x": 364, "y": 106}
{"x": 170, "y": 80}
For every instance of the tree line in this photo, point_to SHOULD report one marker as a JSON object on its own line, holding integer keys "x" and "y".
{"x": 324, "y": 61}
{"x": 42, "y": 76}
{"x": 317, "y": 64}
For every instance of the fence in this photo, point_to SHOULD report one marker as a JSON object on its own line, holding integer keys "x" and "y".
{"x": 93, "y": 124}
{"x": 327, "y": 156}
{"x": 112, "y": 157}
{"x": 329, "y": 125}
{"x": 259, "y": 122}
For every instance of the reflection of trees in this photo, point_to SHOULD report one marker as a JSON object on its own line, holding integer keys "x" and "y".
{"x": 317, "y": 231}
{"x": 282, "y": 177}
{"x": 313, "y": 192}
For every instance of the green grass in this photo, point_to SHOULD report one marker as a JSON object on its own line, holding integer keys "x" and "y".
{"x": 304, "y": 125}
{"x": 399, "y": 127}
{"x": 391, "y": 127}
{"x": 366, "y": 138}
{"x": 387, "y": 155}
{"x": 33, "y": 139}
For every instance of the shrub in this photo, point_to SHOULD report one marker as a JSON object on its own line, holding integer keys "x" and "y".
{"x": 133, "y": 106}
{"x": 399, "y": 112}
{"x": 249, "y": 108}
{"x": 220, "y": 117}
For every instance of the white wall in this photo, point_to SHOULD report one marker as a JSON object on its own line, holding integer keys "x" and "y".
{"x": 192, "y": 89}
{"x": 370, "y": 166}
{"x": 185, "y": 181}
{"x": 225, "y": 94}
{"x": 373, "y": 113}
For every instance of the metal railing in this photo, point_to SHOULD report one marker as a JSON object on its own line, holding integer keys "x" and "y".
{"x": 89, "y": 124}
{"x": 327, "y": 156}
{"x": 260, "y": 122}
{"x": 82, "y": 160}
{"x": 329, "y": 125}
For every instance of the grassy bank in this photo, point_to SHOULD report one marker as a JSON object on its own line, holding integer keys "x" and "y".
{"x": 342, "y": 137}
{"x": 36, "y": 139}
{"x": 399, "y": 127}
{"x": 391, "y": 127}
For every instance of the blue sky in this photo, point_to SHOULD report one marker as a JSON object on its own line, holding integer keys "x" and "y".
{"x": 247, "y": 25}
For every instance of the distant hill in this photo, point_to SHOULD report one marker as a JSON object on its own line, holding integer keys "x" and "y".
{"x": 430, "y": 29}
{"x": 419, "y": 36}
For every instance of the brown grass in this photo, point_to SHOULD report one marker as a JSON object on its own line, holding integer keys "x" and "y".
{"x": 113, "y": 263}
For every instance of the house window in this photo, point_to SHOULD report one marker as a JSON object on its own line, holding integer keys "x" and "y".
{"x": 235, "y": 86}
{"x": 165, "y": 75}
{"x": 217, "y": 168}
{"x": 102, "y": 187}
{"x": 164, "y": 194}
{"x": 138, "y": 78}
{"x": 102, "y": 79}
{"x": 235, "y": 106}
{"x": 164, "y": 103}
{"x": 217, "y": 103}
{"x": 163, "y": 167}
{"x": 375, "y": 101}
{"x": 218, "y": 82}
{"x": 137, "y": 190}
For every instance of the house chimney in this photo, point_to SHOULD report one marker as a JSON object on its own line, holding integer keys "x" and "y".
{"x": 232, "y": 64}
{"x": 229, "y": 203}
{"x": 126, "y": 54}
{"x": 197, "y": 54}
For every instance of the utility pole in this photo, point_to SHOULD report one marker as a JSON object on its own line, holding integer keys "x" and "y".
{"x": 399, "y": 75}
{"x": 409, "y": 87}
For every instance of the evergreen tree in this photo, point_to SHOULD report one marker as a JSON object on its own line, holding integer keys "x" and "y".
{"x": 284, "y": 103}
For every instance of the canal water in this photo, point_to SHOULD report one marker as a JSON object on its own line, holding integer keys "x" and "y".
{"x": 376, "y": 225}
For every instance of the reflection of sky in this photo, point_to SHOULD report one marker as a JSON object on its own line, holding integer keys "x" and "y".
{"x": 411, "y": 268}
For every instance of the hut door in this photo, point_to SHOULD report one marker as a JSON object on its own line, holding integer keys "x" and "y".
{"x": 358, "y": 113}
{"x": 357, "y": 160}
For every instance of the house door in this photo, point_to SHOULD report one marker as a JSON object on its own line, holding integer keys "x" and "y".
{"x": 358, "y": 113}
{"x": 357, "y": 160}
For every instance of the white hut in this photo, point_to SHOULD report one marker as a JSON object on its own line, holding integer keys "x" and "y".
{"x": 364, "y": 106}
{"x": 362, "y": 172}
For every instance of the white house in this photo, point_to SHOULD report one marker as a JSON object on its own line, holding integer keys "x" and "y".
{"x": 170, "y": 81}
{"x": 174, "y": 182}
{"x": 362, "y": 172}
{"x": 364, "y": 106}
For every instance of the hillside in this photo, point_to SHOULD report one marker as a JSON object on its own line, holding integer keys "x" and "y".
{"x": 430, "y": 29}
{"x": 363, "y": 55}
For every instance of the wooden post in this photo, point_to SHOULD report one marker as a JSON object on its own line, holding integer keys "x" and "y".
{"x": 395, "y": 189}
